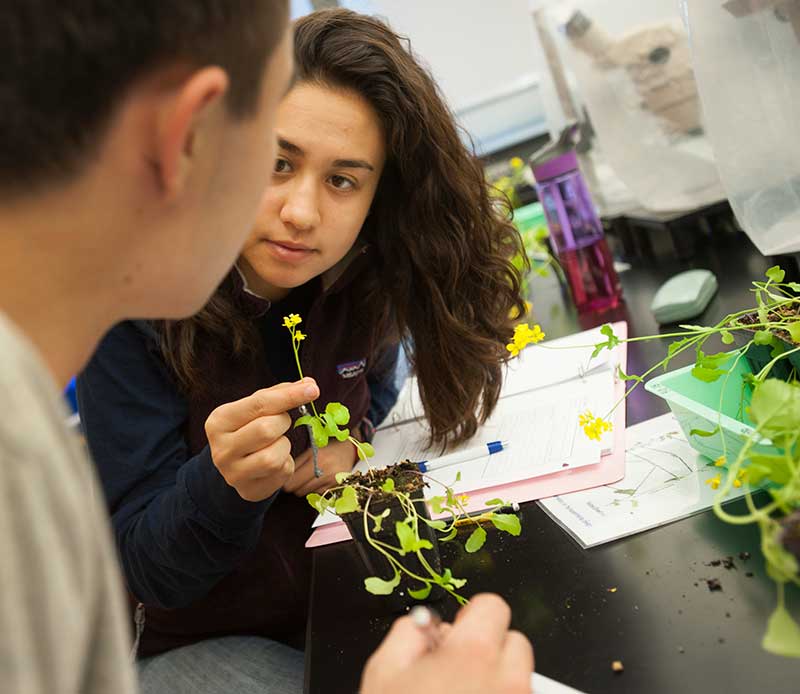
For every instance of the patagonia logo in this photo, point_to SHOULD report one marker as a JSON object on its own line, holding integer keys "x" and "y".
{"x": 351, "y": 369}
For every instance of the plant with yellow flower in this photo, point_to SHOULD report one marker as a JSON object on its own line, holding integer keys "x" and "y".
{"x": 388, "y": 516}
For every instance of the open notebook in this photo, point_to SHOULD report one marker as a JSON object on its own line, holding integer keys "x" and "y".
{"x": 544, "y": 392}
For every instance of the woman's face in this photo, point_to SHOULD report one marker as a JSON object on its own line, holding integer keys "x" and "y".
{"x": 331, "y": 153}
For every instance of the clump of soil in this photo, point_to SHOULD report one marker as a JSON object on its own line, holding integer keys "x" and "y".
{"x": 713, "y": 584}
{"x": 406, "y": 476}
{"x": 783, "y": 313}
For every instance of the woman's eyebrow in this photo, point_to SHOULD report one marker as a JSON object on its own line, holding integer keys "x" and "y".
{"x": 353, "y": 164}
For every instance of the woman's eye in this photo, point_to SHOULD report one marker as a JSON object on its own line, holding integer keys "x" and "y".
{"x": 342, "y": 183}
{"x": 282, "y": 166}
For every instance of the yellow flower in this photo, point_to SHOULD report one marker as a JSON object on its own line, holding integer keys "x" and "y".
{"x": 714, "y": 482}
{"x": 524, "y": 335}
{"x": 740, "y": 478}
{"x": 464, "y": 499}
{"x": 594, "y": 427}
{"x": 719, "y": 462}
{"x": 516, "y": 163}
{"x": 299, "y": 336}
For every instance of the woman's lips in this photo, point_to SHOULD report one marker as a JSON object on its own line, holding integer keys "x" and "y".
{"x": 290, "y": 252}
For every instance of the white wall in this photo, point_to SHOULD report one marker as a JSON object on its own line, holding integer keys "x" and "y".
{"x": 486, "y": 58}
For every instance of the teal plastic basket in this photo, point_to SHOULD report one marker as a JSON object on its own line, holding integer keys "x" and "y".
{"x": 703, "y": 406}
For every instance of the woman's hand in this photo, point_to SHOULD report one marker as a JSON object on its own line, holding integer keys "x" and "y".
{"x": 337, "y": 456}
{"x": 247, "y": 441}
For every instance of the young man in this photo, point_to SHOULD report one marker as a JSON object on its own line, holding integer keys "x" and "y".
{"x": 135, "y": 143}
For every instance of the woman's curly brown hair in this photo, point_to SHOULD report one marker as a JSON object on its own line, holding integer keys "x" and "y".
{"x": 441, "y": 275}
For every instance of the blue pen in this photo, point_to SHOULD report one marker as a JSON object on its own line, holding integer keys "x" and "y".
{"x": 463, "y": 456}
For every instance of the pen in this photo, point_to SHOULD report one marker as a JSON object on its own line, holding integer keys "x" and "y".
{"x": 427, "y": 621}
{"x": 463, "y": 456}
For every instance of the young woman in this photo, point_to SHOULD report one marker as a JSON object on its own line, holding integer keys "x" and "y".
{"x": 378, "y": 227}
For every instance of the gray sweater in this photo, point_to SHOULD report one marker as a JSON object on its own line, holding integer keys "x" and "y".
{"x": 63, "y": 627}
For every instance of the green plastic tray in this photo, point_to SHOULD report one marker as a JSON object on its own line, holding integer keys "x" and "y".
{"x": 696, "y": 405}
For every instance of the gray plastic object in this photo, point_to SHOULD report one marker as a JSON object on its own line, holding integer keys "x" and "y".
{"x": 683, "y": 296}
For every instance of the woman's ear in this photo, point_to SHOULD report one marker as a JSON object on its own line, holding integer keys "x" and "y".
{"x": 185, "y": 117}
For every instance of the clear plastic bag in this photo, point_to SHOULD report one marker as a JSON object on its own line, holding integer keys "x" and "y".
{"x": 746, "y": 55}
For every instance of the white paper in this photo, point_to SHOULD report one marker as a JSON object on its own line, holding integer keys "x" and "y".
{"x": 544, "y": 685}
{"x": 541, "y": 428}
{"x": 539, "y": 366}
{"x": 665, "y": 480}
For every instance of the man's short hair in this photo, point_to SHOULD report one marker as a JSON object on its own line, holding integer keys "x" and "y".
{"x": 66, "y": 64}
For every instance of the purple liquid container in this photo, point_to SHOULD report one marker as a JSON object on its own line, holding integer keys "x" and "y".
{"x": 576, "y": 232}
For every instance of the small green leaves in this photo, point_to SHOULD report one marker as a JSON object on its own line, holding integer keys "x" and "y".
{"x": 678, "y": 345}
{"x": 422, "y": 593}
{"x": 706, "y": 366}
{"x": 378, "y": 520}
{"x": 762, "y": 466}
{"x": 494, "y": 502}
{"x": 775, "y": 274}
{"x": 437, "y": 524}
{"x": 450, "y": 536}
{"x": 437, "y": 503}
{"x": 377, "y": 586}
{"x": 783, "y": 634}
{"x": 338, "y": 413}
{"x": 762, "y": 337}
{"x": 507, "y": 522}
{"x": 609, "y": 344}
{"x": 341, "y": 477}
{"x": 726, "y": 337}
{"x": 318, "y": 502}
{"x": 347, "y": 502}
{"x": 388, "y": 485}
{"x": 365, "y": 450}
{"x": 704, "y": 434}
{"x": 476, "y": 540}
{"x": 775, "y": 408}
{"x": 628, "y": 377}
{"x": 406, "y": 536}
{"x": 794, "y": 330}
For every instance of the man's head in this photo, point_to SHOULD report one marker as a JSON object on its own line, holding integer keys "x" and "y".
{"x": 149, "y": 122}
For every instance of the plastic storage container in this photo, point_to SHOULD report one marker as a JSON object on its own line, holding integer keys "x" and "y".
{"x": 704, "y": 406}
{"x": 631, "y": 63}
{"x": 746, "y": 56}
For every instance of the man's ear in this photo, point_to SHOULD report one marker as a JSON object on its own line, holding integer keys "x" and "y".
{"x": 178, "y": 125}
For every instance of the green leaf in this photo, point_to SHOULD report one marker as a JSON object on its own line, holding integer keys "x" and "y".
{"x": 341, "y": 477}
{"x": 318, "y": 432}
{"x": 628, "y": 377}
{"x": 775, "y": 408}
{"x": 338, "y": 412}
{"x": 332, "y": 428}
{"x": 476, "y": 540}
{"x": 494, "y": 502}
{"x": 422, "y": 593}
{"x": 775, "y": 274}
{"x": 436, "y": 503}
{"x": 347, "y": 502}
{"x": 609, "y": 344}
{"x": 437, "y": 524}
{"x": 422, "y": 544}
{"x": 451, "y": 535}
{"x": 794, "y": 330}
{"x": 762, "y": 337}
{"x": 304, "y": 420}
{"x": 408, "y": 542}
{"x": 703, "y": 433}
{"x": 377, "y": 586}
{"x": 378, "y": 520}
{"x": 318, "y": 502}
{"x": 768, "y": 466}
{"x": 507, "y": 522}
{"x": 458, "y": 476}
{"x": 388, "y": 485}
{"x": 701, "y": 373}
{"x": 726, "y": 337}
{"x": 783, "y": 634}
{"x": 794, "y": 286}
{"x": 365, "y": 450}
{"x": 678, "y": 344}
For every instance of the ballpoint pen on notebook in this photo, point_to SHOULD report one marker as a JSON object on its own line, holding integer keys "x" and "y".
{"x": 463, "y": 456}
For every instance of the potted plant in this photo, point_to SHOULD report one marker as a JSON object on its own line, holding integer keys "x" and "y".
{"x": 755, "y": 426}
{"x": 388, "y": 517}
